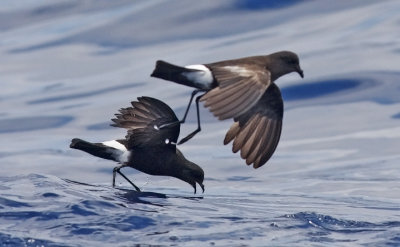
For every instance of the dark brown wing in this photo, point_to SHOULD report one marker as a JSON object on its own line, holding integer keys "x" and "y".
{"x": 143, "y": 121}
{"x": 239, "y": 89}
{"x": 256, "y": 133}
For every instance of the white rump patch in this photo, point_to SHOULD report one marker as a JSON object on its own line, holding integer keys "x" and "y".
{"x": 241, "y": 71}
{"x": 121, "y": 154}
{"x": 202, "y": 78}
{"x": 124, "y": 157}
{"x": 115, "y": 144}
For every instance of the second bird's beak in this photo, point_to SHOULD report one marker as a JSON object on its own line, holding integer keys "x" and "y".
{"x": 300, "y": 71}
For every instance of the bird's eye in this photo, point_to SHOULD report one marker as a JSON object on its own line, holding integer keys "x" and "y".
{"x": 167, "y": 141}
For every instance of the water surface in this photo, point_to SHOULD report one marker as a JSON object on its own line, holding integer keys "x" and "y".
{"x": 67, "y": 67}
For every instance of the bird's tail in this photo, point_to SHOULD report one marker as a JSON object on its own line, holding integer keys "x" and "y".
{"x": 97, "y": 149}
{"x": 171, "y": 72}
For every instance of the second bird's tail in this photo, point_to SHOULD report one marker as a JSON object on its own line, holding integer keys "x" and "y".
{"x": 171, "y": 72}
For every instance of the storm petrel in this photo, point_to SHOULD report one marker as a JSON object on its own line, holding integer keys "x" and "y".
{"x": 146, "y": 147}
{"x": 242, "y": 89}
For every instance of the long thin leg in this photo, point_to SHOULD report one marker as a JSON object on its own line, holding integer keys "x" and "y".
{"x": 190, "y": 102}
{"x": 115, "y": 173}
{"x": 117, "y": 170}
{"x": 186, "y": 111}
{"x": 188, "y": 137}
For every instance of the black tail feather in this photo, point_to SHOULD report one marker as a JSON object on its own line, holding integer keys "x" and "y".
{"x": 95, "y": 149}
{"x": 171, "y": 72}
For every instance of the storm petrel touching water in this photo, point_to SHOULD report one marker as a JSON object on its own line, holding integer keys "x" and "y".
{"x": 146, "y": 147}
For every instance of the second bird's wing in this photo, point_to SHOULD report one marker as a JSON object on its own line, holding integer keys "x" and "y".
{"x": 256, "y": 133}
{"x": 239, "y": 89}
{"x": 143, "y": 121}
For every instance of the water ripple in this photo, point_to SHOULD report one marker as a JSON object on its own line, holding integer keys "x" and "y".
{"x": 332, "y": 224}
{"x": 83, "y": 95}
{"x": 100, "y": 214}
{"x": 33, "y": 123}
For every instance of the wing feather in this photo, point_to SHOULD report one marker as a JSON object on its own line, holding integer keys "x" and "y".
{"x": 256, "y": 133}
{"x": 142, "y": 122}
{"x": 232, "y": 132}
{"x": 253, "y": 140}
{"x": 244, "y": 83}
{"x": 245, "y": 133}
{"x": 255, "y": 152}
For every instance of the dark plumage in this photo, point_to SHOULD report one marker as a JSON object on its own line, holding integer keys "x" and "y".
{"x": 242, "y": 89}
{"x": 146, "y": 147}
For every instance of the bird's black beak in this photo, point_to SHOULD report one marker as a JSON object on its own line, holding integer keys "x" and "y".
{"x": 300, "y": 71}
{"x": 202, "y": 186}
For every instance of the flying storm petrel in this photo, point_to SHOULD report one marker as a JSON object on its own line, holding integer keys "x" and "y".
{"x": 242, "y": 89}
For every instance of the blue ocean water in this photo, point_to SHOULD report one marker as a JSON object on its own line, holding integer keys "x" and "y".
{"x": 66, "y": 67}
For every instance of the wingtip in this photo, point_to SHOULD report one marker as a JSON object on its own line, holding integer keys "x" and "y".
{"x": 115, "y": 122}
{"x": 139, "y": 99}
{"x": 147, "y": 100}
{"x": 258, "y": 164}
{"x": 235, "y": 147}
{"x": 232, "y": 132}
{"x": 227, "y": 141}
{"x": 247, "y": 162}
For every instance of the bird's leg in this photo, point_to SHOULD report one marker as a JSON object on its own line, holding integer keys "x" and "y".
{"x": 186, "y": 112}
{"x": 188, "y": 137}
{"x": 117, "y": 170}
{"x": 115, "y": 174}
{"x": 190, "y": 102}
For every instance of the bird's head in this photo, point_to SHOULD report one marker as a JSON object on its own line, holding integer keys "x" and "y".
{"x": 193, "y": 174}
{"x": 188, "y": 171}
{"x": 285, "y": 62}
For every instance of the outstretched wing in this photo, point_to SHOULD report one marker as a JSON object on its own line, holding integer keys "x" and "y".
{"x": 256, "y": 133}
{"x": 239, "y": 88}
{"x": 144, "y": 120}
